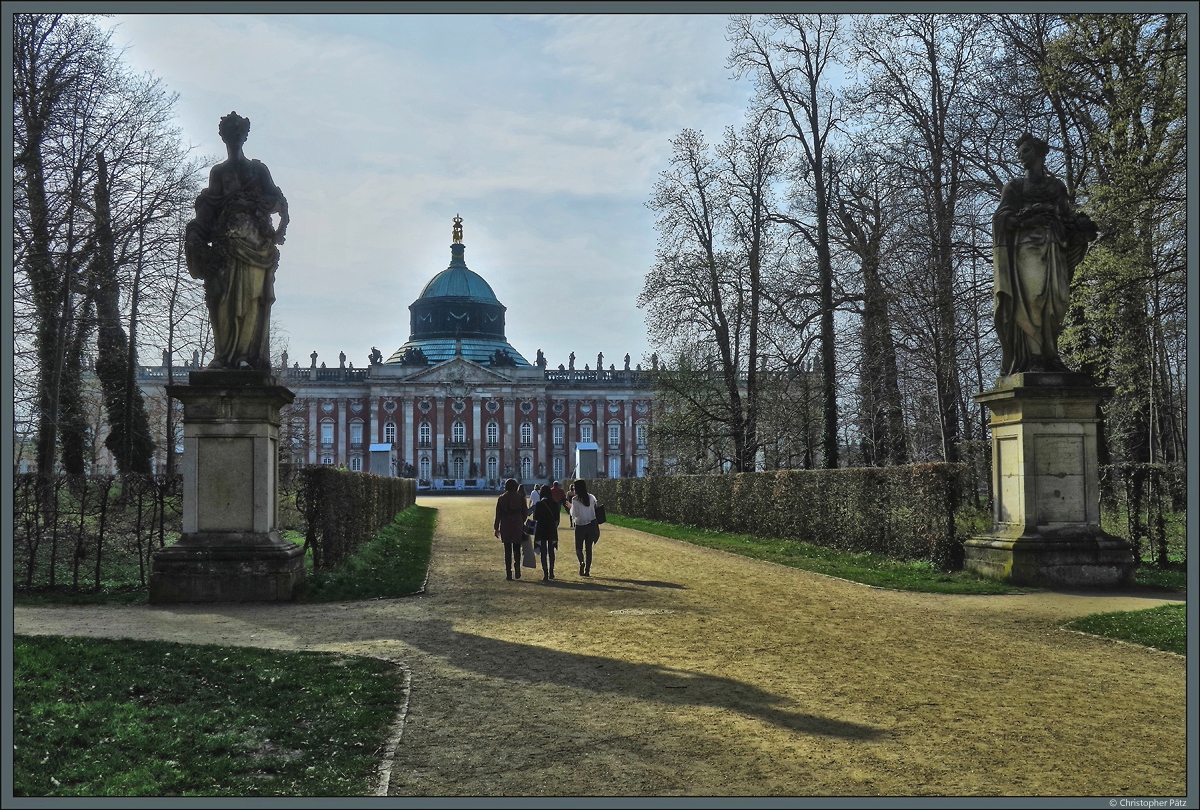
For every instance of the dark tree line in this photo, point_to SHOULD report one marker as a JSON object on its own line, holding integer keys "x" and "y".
{"x": 867, "y": 316}
{"x": 101, "y": 179}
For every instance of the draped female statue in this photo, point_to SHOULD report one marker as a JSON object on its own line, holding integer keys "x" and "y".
{"x": 1037, "y": 241}
{"x": 231, "y": 246}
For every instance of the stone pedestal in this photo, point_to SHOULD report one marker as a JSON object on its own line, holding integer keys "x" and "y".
{"x": 1046, "y": 486}
{"x": 230, "y": 549}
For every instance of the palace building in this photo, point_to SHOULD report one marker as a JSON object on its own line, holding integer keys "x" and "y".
{"x": 456, "y": 406}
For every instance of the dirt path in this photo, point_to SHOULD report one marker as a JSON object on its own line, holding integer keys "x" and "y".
{"x": 681, "y": 670}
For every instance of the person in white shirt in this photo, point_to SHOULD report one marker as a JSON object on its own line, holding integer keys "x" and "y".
{"x": 587, "y": 530}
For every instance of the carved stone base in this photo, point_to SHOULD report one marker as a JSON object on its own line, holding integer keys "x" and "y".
{"x": 227, "y": 567}
{"x": 230, "y": 549}
{"x": 1046, "y": 487}
{"x": 1084, "y": 561}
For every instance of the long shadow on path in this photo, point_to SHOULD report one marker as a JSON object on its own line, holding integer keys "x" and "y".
{"x": 512, "y": 661}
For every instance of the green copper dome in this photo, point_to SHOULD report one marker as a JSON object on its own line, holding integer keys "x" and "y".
{"x": 459, "y": 281}
{"x": 457, "y": 314}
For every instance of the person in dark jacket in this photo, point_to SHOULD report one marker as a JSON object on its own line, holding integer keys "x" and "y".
{"x": 547, "y": 513}
{"x": 510, "y": 526}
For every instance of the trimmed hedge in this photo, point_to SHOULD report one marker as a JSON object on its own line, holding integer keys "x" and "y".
{"x": 905, "y": 512}
{"x": 343, "y": 509}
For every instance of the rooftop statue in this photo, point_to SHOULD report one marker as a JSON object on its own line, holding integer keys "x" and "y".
{"x": 1037, "y": 241}
{"x": 231, "y": 246}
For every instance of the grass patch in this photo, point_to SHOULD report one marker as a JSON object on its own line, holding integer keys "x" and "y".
{"x": 102, "y": 717}
{"x": 392, "y": 563}
{"x": 1164, "y": 579}
{"x": 1163, "y": 627}
{"x": 871, "y": 569}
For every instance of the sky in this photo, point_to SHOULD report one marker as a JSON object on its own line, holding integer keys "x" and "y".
{"x": 544, "y": 132}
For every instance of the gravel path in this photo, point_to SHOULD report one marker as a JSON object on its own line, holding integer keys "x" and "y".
{"x": 676, "y": 669}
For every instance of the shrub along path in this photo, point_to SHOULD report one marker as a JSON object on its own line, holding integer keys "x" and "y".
{"x": 677, "y": 669}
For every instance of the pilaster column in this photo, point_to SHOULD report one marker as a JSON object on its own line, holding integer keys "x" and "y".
{"x": 313, "y": 436}
{"x": 342, "y": 431}
{"x": 477, "y": 435}
{"x": 439, "y": 444}
{"x": 510, "y": 455}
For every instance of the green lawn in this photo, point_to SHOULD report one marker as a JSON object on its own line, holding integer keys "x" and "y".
{"x": 1163, "y": 627}
{"x": 871, "y": 569}
{"x": 392, "y": 563}
{"x": 100, "y": 717}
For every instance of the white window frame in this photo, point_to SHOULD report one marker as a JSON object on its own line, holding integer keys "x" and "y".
{"x": 424, "y": 467}
{"x": 425, "y": 434}
{"x": 355, "y": 463}
{"x": 560, "y": 468}
{"x": 493, "y": 468}
{"x": 327, "y": 433}
{"x": 493, "y": 433}
{"x": 557, "y": 430}
{"x": 526, "y": 433}
{"x": 614, "y": 434}
{"x": 356, "y": 433}
{"x": 614, "y": 466}
{"x": 585, "y": 431}
{"x": 458, "y": 431}
{"x": 526, "y": 468}
{"x": 389, "y": 432}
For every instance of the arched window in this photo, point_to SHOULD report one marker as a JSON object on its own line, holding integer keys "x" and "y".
{"x": 585, "y": 432}
{"x": 458, "y": 432}
{"x": 356, "y": 433}
{"x": 493, "y": 434}
{"x": 423, "y": 433}
{"x": 493, "y": 468}
{"x": 460, "y": 464}
{"x": 614, "y": 467}
{"x": 614, "y": 434}
{"x": 557, "y": 430}
{"x": 559, "y": 468}
{"x": 526, "y": 433}
{"x": 526, "y": 468}
{"x": 327, "y": 460}
{"x": 356, "y": 463}
{"x": 423, "y": 467}
{"x": 389, "y": 432}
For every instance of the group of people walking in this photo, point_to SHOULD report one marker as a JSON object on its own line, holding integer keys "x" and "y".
{"x": 543, "y": 509}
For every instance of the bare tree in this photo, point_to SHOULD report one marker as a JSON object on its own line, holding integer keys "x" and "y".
{"x": 101, "y": 172}
{"x": 919, "y": 93}
{"x": 791, "y": 56}
{"x": 704, "y": 297}
{"x": 866, "y": 210}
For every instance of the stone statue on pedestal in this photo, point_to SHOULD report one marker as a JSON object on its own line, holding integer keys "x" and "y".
{"x": 1037, "y": 241}
{"x": 231, "y": 246}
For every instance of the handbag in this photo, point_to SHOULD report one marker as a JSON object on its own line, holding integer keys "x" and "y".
{"x": 528, "y": 559}
{"x": 600, "y": 516}
{"x": 531, "y": 527}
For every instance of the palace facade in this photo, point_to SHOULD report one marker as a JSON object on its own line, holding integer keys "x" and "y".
{"x": 456, "y": 406}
